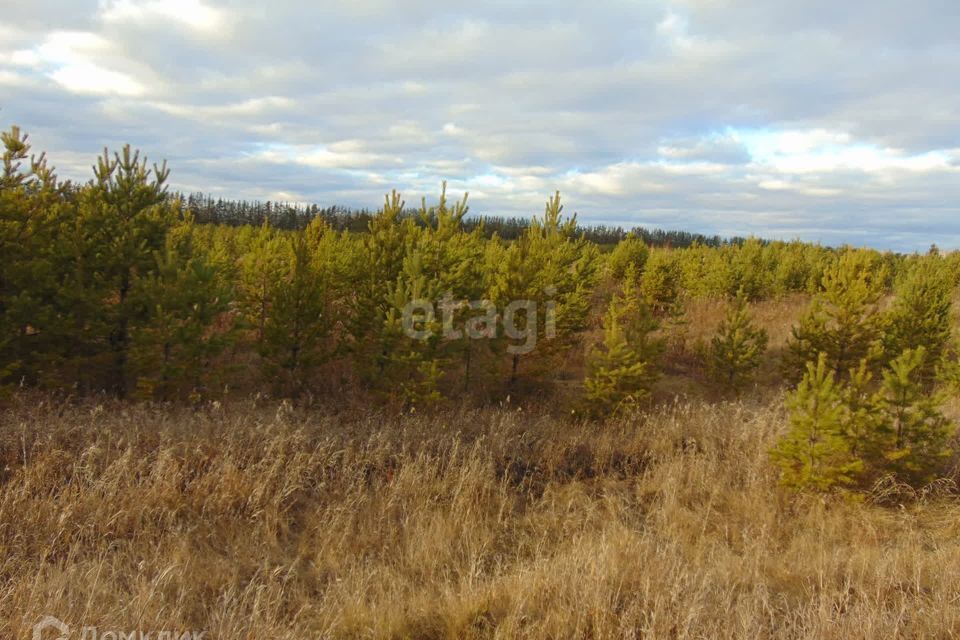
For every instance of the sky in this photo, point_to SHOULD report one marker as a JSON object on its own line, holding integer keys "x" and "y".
{"x": 821, "y": 120}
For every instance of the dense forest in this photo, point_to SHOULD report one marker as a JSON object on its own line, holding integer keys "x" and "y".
{"x": 117, "y": 286}
{"x": 281, "y": 215}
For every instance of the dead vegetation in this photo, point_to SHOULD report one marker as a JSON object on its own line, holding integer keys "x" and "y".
{"x": 271, "y": 522}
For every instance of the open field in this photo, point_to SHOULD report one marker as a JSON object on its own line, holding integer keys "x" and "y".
{"x": 479, "y": 320}
{"x": 250, "y": 521}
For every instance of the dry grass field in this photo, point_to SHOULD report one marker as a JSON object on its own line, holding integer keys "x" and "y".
{"x": 253, "y": 521}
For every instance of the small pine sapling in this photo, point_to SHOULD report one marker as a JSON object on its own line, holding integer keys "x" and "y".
{"x": 815, "y": 454}
{"x": 737, "y": 349}
{"x": 622, "y": 372}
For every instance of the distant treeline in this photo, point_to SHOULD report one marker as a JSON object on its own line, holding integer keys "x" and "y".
{"x": 293, "y": 217}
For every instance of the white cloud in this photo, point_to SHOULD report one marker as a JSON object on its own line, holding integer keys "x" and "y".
{"x": 193, "y": 14}
{"x": 694, "y": 168}
{"x": 673, "y": 28}
{"x": 618, "y": 180}
{"x": 21, "y": 58}
{"x": 822, "y": 151}
{"x": 415, "y": 88}
{"x": 78, "y": 62}
{"x": 244, "y": 108}
{"x": 861, "y": 158}
{"x": 67, "y": 47}
{"x": 90, "y": 78}
{"x": 344, "y": 154}
{"x": 785, "y": 185}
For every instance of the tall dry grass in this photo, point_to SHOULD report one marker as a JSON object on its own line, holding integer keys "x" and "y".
{"x": 269, "y": 522}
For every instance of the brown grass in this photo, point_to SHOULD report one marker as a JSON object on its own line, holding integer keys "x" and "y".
{"x": 776, "y": 315}
{"x": 269, "y": 522}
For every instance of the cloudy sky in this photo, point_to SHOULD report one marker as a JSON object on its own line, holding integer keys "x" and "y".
{"x": 824, "y": 120}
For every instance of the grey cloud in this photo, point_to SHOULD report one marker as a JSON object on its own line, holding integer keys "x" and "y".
{"x": 632, "y": 108}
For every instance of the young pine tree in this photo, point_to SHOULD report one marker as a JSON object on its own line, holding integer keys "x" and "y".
{"x": 815, "y": 453}
{"x": 920, "y": 316}
{"x": 631, "y": 252}
{"x": 553, "y": 270}
{"x": 843, "y": 322}
{"x": 262, "y": 252}
{"x": 32, "y": 209}
{"x": 297, "y": 332}
{"x": 660, "y": 283}
{"x": 920, "y": 434}
{"x": 750, "y": 270}
{"x": 182, "y": 300}
{"x": 737, "y": 349}
{"x": 125, "y": 216}
{"x": 436, "y": 262}
{"x": 865, "y": 425}
{"x": 376, "y": 261}
{"x": 661, "y": 289}
{"x": 410, "y": 367}
{"x": 622, "y": 371}
{"x": 796, "y": 267}
{"x": 451, "y": 263}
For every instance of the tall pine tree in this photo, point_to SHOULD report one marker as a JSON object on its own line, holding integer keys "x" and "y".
{"x": 33, "y": 207}
{"x": 125, "y": 216}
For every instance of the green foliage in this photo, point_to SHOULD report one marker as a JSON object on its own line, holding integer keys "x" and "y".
{"x": 866, "y": 427}
{"x": 112, "y": 286}
{"x": 32, "y": 209}
{"x": 182, "y": 301}
{"x": 703, "y": 271}
{"x": 816, "y": 454}
{"x": 798, "y": 267}
{"x": 376, "y": 261}
{"x": 951, "y": 265}
{"x": 410, "y": 366}
{"x": 851, "y": 434}
{"x": 630, "y": 253}
{"x": 433, "y": 265}
{"x": 72, "y": 259}
{"x": 737, "y": 348}
{"x": 260, "y": 266}
{"x": 750, "y": 270}
{"x": 920, "y": 316}
{"x": 761, "y": 269}
{"x": 920, "y": 433}
{"x": 554, "y": 272}
{"x": 622, "y": 371}
{"x": 447, "y": 262}
{"x": 660, "y": 285}
{"x": 895, "y": 429}
{"x": 297, "y": 328}
{"x": 125, "y": 216}
{"x": 843, "y": 322}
